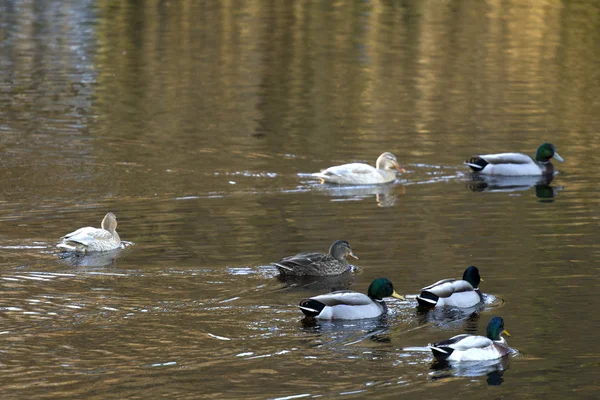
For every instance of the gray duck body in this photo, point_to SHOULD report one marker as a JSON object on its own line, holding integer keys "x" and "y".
{"x": 318, "y": 264}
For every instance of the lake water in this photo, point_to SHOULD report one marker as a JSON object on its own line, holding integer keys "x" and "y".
{"x": 197, "y": 124}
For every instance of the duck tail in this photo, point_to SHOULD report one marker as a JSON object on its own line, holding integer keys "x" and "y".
{"x": 476, "y": 163}
{"x": 427, "y": 299}
{"x": 282, "y": 268}
{"x": 311, "y": 307}
{"x": 441, "y": 353}
{"x": 66, "y": 247}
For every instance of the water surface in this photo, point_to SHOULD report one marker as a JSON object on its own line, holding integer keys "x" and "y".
{"x": 198, "y": 125}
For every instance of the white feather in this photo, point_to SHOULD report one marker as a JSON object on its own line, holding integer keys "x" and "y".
{"x": 356, "y": 174}
{"x": 510, "y": 164}
{"x": 345, "y": 311}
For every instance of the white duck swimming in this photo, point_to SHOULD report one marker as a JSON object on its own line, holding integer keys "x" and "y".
{"x": 474, "y": 347}
{"x": 348, "y": 304}
{"x": 462, "y": 293}
{"x": 93, "y": 239}
{"x": 362, "y": 174}
{"x": 516, "y": 164}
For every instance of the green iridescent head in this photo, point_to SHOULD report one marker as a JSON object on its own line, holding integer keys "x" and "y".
{"x": 495, "y": 328}
{"x": 382, "y": 287}
{"x": 471, "y": 275}
{"x": 547, "y": 151}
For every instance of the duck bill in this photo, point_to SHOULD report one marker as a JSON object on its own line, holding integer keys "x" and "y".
{"x": 506, "y": 333}
{"x": 400, "y": 169}
{"x": 352, "y": 255}
{"x": 398, "y": 296}
{"x": 557, "y": 157}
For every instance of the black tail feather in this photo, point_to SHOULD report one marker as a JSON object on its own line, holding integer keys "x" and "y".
{"x": 427, "y": 299}
{"x": 441, "y": 353}
{"x": 311, "y": 307}
{"x": 476, "y": 163}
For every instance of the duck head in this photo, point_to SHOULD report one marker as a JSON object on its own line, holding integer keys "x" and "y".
{"x": 471, "y": 275}
{"x": 545, "y": 152}
{"x": 109, "y": 222}
{"x": 388, "y": 161}
{"x": 495, "y": 328}
{"x": 340, "y": 249}
{"x": 382, "y": 287}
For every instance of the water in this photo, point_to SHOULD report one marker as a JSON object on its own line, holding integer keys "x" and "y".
{"x": 197, "y": 124}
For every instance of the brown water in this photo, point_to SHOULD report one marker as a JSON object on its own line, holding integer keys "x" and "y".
{"x": 197, "y": 124}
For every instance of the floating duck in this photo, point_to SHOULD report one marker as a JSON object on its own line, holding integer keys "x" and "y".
{"x": 317, "y": 264}
{"x": 453, "y": 292}
{"x": 348, "y": 304}
{"x": 362, "y": 174}
{"x": 516, "y": 164}
{"x": 474, "y": 347}
{"x": 93, "y": 239}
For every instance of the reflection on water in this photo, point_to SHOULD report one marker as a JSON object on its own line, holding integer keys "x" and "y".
{"x": 493, "y": 370}
{"x": 448, "y": 317}
{"x": 385, "y": 194}
{"x": 92, "y": 259}
{"x": 193, "y": 121}
{"x": 507, "y": 184}
{"x": 325, "y": 284}
{"x": 348, "y": 333}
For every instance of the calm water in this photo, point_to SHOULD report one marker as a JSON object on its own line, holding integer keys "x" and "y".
{"x": 197, "y": 124}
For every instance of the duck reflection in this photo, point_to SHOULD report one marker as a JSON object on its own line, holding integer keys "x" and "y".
{"x": 318, "y": 283}
{"x": 494, "y": 369}
{"x": 348, "y": 332}
{"x": 92, "y": 259}
{"x": 448, "y": 317}
{"x": 385, "y": 194}
{"x": 487, "y": 183}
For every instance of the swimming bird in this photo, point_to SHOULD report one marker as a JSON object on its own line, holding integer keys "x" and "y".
{"x": 516, "y": 164}
{"x": 348, "y": 304}
{"x": 317, "y": 264}
{"x": 362, "y": 174}
{"x": 474, "y": 347}
{"x": 93, "y": 239}
{"x": 453, "y": 292}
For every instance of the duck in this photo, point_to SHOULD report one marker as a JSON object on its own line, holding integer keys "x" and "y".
{"x": 362, "y": 174}
{"x": 88, "y": 238}
{"x": 516, "y": 164}
{"x": 317, "y": 264}
{"x": 474, "y": 347}
{"x": 348, "y": 304}
{"x": 462, "y": 293}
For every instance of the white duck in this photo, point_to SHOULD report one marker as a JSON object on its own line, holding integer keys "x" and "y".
{"x": 362, "y": 174}
{"x": 88, "y": 239}
{"x": 463, "y": 293}
{"x": 474, "y": 347}
{"x": 516, "y": 164}
{"x": 348, "y": 304}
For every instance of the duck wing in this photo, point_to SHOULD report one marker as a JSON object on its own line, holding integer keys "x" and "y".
{"x": 447, "y": 287}
{"x": 345, "y": 297}
{"x": 465, "y": 342}
{"x": 507, "y": 158}
{"x": 356, "y": 173}
{"x": 304, "y": 259}
{"x": 87, "y": 235}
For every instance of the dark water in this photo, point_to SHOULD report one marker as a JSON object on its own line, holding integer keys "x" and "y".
{"x": 196, "y": 124}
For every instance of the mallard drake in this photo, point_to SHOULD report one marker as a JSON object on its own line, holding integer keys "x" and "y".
{"x": 348, "y": 304}
{"x": 516, "y": 164}
{"x": 317, "y": 264}
{"x": 453, "y": 292}
{"x": 474, "y": 347}
{"x": 362, "y": 174}
{"x": 88, "y": 239}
